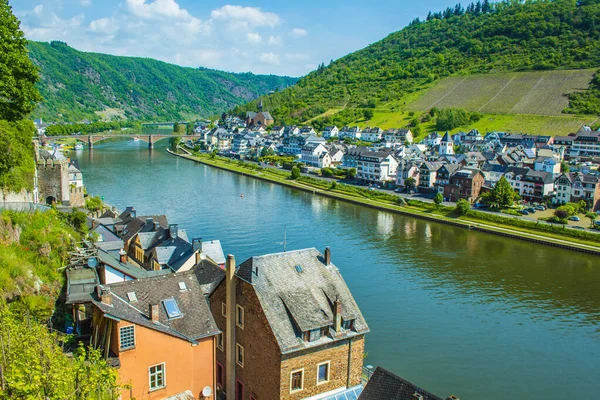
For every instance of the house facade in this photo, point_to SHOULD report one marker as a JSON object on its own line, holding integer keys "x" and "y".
{"x": 575, "y": 186}
{"x": 160, "y": 334}
{"x": 465, "y": 184}
{"x": 376, "y": 167}
{"x": 300, "y": 339}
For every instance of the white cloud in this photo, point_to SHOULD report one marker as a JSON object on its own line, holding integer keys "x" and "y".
{"x": 299, "y": 32}
{"x": 85, "y": 3}
{"x": 253, "y": 16}
{"x": 269, "y": 58}
{"x": 253, "y": 37}
{"x": 275, "y": 40}
{"x": 225, "y": 38}
{"x": 104, "y": 25}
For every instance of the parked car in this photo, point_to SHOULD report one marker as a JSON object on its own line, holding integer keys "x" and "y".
{"x": 540, "y": 208}
{"x": 398, "y": 190}
{"x": 376, "y": 186}
{"x": 524, "y": 212}
{"x": 579, "y": 227}
{"x": 597, "y": 223}
{"x": 531, "y": 210}
{"x": 574, "y": 218}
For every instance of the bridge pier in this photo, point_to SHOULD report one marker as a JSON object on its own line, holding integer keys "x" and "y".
{"x": 90, "y": 142}
{"x": 150, "y": 142}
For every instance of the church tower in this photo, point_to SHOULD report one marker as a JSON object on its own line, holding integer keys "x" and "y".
{"x": 446, "y": 145}
{"x": 260, "y": 105}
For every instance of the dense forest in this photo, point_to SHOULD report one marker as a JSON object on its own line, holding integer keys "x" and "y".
{"x": 76, "y": 85}
{"x": 481, "y": 38}
{"x": 587, "y": 102}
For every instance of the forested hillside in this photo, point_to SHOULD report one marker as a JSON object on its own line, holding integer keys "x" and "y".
{"x": 76, "y": 85}
{"x": 481, "y": 38}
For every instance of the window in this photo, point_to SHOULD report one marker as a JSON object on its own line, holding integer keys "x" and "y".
{"x": 127, "y": 337}
{"x": 239, "y": 390}
{"x": 239, "y": 355}
{"x": 314, "y": 334}
{"x": 220, "y": 379}
{"x": 157, "y": 376}
{"x": 323, "y": 373}
{"x": 239, "y": 316}
{"x": 220, "y": 341}
{"x": 172, "y": 308}
{"x": 348, "y": 324}
{"x": 296, "y": 380}
{"x": 224, "y": 309}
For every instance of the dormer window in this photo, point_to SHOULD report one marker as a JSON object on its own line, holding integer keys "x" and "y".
{"x": 348, "y": 324}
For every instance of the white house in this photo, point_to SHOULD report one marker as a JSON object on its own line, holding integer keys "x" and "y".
{"x": 372, "y": 134}
{"x": 377, "y": 167}
{"x": 350, "y": 132}
{"x": 315, "y": 155}
{"x": 330, "y": 131}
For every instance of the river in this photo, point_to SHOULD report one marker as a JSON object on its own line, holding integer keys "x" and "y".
{"x": 454, "y": 311}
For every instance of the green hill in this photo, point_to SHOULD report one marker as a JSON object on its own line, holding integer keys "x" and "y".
{"x": 484, "y": 38}
{"x": 76, "y": 85}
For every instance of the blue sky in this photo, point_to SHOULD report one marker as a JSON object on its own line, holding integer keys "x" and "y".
{"x": 263, "y": 36}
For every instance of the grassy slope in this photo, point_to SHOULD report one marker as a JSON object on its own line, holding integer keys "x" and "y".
{"x": 78, "y": 85}
{"x": 516, "y": 36}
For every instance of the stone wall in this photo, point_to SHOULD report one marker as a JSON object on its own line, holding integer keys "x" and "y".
{"x": 76, "y": 196}
{"x": 13, "y": 197}
{"x": 337, "y": 355}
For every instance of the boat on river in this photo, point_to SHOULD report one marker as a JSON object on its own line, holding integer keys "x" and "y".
{"x": 79, "y": 146}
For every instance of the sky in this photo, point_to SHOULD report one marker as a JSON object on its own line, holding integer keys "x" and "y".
{"x": 281, "y": 37}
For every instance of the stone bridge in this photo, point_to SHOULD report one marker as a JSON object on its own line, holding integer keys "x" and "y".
{"x": 91, "y": 139}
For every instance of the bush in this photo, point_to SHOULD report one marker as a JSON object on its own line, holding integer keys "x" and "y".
{"x": 295, "y": 173}
{"x": 561, "y": 213}
{"x": 463, "y": 206}
{"x": 93, "y": 204}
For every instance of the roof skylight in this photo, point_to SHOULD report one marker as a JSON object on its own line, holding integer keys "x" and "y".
{"x": 172, "y": 308}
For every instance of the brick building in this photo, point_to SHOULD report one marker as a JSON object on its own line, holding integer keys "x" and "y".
{"x": 465, "y": 184}
{"x": 291, "y": 328}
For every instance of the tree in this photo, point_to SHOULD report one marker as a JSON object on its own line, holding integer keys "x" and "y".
{"x": 18, "y": 95}
{"x": 93, "y": 203}
{"x": 16, "y": 155}
{"x": 34, "y": 365}
{"x": 561, "y": 213}
{"x": 438, "y": 199}
{"x": 592, "y": 216}
{"x": 174, "y": 143}
{"x": 564, "y": 167}
{"x": 463, "y": 206}
{"x": 503, "y": 195}
{"x": 351, "y": 174}
{"x": 295, "y": 173}
{"x": 410, "y": 184}
{"x": 582, "y": 206}
{"x": 368, "y": 114}
{"x": 189, "y": 128}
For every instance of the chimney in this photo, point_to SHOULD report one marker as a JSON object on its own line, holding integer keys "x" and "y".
{"x": 94, "y": 223}
{"x": 131, "y": 211}
{"x": 150, "y": 223}
{"x": 153, "y": 311}
{"x": 104, "y": 293}
{"x": 327, "y": 256}
{"x": 337, "y": 315}
{"x": 173, "y": 231}
{"x": 123, "y": 256}
{"x": 197, "y": 244}
{"x": 230, "y": 290}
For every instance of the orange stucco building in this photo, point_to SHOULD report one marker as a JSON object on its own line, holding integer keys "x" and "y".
{"x": 160, "y": 334}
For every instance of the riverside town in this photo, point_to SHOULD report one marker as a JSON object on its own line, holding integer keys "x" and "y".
{"x": 416, "y": 219}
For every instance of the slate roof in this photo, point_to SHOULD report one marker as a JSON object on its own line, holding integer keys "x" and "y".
{"x": 196, "y": 322}
{"x": 127, "y": 268}
{"x": 213, "y": 250}
{"x": 385, "y": 385}
{"x": 295, "y": 302}
{"x": 81, "y": 283}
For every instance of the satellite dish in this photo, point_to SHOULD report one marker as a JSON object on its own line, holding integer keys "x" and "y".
{"x": 207, "y": 391}
{"x": 92, "y": 262}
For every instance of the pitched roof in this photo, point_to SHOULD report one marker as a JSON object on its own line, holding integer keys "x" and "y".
{"x": 196, "y": 321}
{"x": 296, "y": 290}
{"x": 385, "y": 385}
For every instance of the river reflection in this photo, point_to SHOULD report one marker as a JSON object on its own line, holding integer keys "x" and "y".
{"x": 456, "y": 311}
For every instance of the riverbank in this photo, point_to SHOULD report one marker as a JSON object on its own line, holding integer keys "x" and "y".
{"x": 425, "y": 211}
